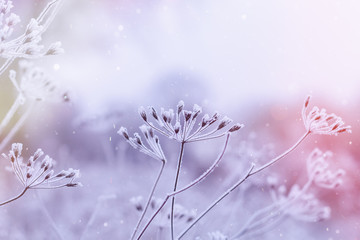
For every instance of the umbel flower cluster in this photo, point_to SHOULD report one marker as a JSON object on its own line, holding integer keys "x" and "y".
{"x": 28, "y": 44}
{"x": 38, "y": 171}
{"x": 319, "y": 122}
{"x": 186, "y": 126}
{"x": 33, "y": 83}
{"x": 183, "y": 126}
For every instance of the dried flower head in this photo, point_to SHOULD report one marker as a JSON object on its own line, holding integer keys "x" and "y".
{"x": 318, "y": 170}
{"x": 34, "y": 83}
{"x": 307, "y": 207}
{"x": 37, "y": 172}
{"x": 153, "y": 149}
{"x": 180, "y": 124}
{"x": 301, "y": 205}
{"x": 27, "y": 45}
{"x": 7, "y": 20}
{"x": 319, "y": 122}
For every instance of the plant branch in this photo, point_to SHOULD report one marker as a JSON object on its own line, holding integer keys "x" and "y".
{"x": 148, "y": 200}
{"x": 181, "y": 154}
{"x": 15, "y": 198}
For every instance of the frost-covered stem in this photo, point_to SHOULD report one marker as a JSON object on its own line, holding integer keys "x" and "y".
{"x": 181, "y": 154}
{"x": 217, "y": 201}
{"x": 250, "y": 225}
{"x": 6, "y": 65}
{"x": 10, "y": 113}
{"x": 206, "y": 173}
{"x": 274, "y": 160}
{"x": 47, "y": 214}
{"x": 15, "y": 198}
{"x": 41, "y": 16}
{"x": 16, "y": 127}
{"x": 193, "y": 183}
{"x": 149, "y": 199}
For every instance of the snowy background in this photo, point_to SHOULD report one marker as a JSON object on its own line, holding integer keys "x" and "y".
{"x": 254, "y": 61}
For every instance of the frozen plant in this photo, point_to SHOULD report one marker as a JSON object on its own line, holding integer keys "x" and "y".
{"x": 316, "y": 122}
{"x": 298, "y": 202}
{"x": 183, "y": 126}
{"x": 37, "y": 172}
{"x": 181, "y": 214}
{"x": 28, "y": 44}
{"x": 33, "y": 85}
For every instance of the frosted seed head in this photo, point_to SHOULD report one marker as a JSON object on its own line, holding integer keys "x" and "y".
{"x": 138, "y": 139}
{"x": 63, "y": 173}
{"x": 123, "y": 131}
{"x": 37, "y": 154}
{"x": 196, "y": 110}
{"x": 33, "y": 26}
{"x": 236, "y": 127}
{"x": 154, "y": 113}
{"x": 17, "y": 149}
{"x": 187, "y": 115}
{"x": 214, "y": 118}
{"x": 151, "y": 133}
{"x": 142, "y": 113}
{"x": 180, "y": 106}
{"x": 145, "y": 129}
{"x": 205, "y": 120}
{"x": 224, "y": 122}
{"x": 75, "y": 184}
{"x": 177, "y": 127}
{"x": 55, "y": 49}
{"x": 307, "y": 100}
{"x": 12, "y": 20}
{"x": 5, "y": 7}
{"x": 49, "y": 175}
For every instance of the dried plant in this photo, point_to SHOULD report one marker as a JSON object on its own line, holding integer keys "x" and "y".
{"x": 28, "y": 44}
{"x": 170, "y": 124}
{"x": 33, "y": 85}
{"x": 298, "y": 202}
{"x": 178, "y": 125}
{"x": 37, "y": 172}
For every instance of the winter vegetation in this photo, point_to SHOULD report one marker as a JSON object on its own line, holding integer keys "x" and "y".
{"x": 170, "y": 171}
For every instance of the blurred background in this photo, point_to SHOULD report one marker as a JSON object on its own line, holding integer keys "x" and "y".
{"x": 254, "y": 61}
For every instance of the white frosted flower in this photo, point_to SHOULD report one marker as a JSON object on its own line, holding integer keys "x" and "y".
{"x": 319, "y": 122}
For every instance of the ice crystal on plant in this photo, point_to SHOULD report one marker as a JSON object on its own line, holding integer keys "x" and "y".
{"x": 180, "y": 124}
{"x": 306, "y": 207}
{"x": 317, "y": 167}
{"x": 154, "y": 150}
{"x": 37, "y": 173}
{"x": 319, "y": 122}
{"x": 27, "y": 45}
{"x": 34, "y": 83}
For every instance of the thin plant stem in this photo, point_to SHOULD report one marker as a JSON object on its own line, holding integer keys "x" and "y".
{"x": 149, "y": 199}
{"x": 274, "y": 160}
{"x": 16, "y": 128}
{"x": 193, "y": 183}
{"x": 181, "y": 154}
{"x": 217, "y": 201}
{"x": 249, "y": 173}
{"x": 15, "y": 198}
{"x": 10, "y": 113}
